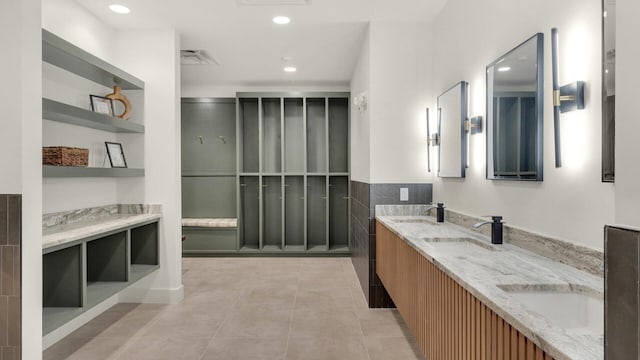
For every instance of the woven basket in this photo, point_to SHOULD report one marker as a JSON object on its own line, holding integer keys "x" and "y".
{"x": 65, "y": 156}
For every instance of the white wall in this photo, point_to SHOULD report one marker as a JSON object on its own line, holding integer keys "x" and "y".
{"x": 571, "y": 203}
{"x": 20, "y": 152}
{"x": 627, "y": 124}
{"x": 360, "y": 122}
{"x": 156, "y": 62}
{"x": 400, "y": 92}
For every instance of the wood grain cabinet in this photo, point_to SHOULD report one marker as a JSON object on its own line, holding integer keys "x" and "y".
{"x": 447, "y": 321}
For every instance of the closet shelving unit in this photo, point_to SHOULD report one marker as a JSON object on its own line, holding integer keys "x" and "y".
{"x": 293, "y": 180}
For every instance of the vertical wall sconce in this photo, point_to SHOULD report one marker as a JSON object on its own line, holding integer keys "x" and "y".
{"x": 474, "y": 125}
{"x": 432, "y": 140}
{"x": 565, "y": 98}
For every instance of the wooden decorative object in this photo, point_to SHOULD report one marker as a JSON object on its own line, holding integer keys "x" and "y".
{"x": 118, "y": 96}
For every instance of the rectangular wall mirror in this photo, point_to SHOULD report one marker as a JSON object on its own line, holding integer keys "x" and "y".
{"x": 452, "y": 113}
{"x": 515, "y": 113}
{"x": 608, "y": 90}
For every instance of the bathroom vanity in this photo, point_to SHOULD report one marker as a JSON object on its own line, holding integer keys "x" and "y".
{"x": 463, "y": 297}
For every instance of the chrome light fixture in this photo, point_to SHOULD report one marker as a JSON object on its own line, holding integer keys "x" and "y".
{"x": 565, "y": 98}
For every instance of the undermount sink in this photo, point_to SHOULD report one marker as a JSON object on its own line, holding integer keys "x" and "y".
{"x": 464, "y": 241}
{"x": 568, "y": 307}
{"x": 415, "y": 221}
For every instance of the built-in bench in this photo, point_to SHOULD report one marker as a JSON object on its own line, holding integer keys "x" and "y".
{"x": 203, "y": 235}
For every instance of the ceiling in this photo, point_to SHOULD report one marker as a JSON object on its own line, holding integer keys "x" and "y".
{"x": 323, "y": 39}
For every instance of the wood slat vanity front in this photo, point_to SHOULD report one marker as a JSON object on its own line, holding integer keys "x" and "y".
{"x": 447, "y": 320}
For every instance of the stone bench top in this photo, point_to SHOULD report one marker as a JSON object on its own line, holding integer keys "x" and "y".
{"x": 210, "y": 222}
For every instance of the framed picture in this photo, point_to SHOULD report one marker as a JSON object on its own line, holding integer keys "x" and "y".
{"x": 116, "y": 155}
{"x": 101, "y": 105}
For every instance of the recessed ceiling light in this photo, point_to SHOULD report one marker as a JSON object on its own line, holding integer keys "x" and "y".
{"x": 120, "y": 9}
{"x": 504, "y": 68}
{"x": 290, "y": 69}
{"x": 281, "y": 20}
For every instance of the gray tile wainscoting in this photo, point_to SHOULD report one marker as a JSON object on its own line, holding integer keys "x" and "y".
{"x": 622, "y": 262}
{"x": 10, "y": 278}
{"x": 364, "y": 198}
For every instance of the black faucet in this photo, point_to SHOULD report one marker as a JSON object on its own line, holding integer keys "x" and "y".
{"x": 496, "y": 228}
{"x": 439, "y": 212}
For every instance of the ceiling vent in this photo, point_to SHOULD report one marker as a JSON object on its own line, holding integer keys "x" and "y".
{"x": 196, "y": 57}
{"x": 273, "y": 2}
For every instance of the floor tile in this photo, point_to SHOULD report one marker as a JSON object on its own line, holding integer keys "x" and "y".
{"x": 246, "y": 349}
{"x": 151, "y": 348}
{"x": 399, "y": 348}
{"x": 325, "y": 323}
{"x": 256, "y": 324}
{"x": 382, "y": 323}
{"x": 322, "y": 348}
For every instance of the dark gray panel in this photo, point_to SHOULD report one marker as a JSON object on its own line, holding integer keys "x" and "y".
{"x": 209, "y": 239}
{"x": 621, "y": 293}
{"x": 272, "y": 225}
{"x": 316, "y": 212}
{"x": 249, "y": 222}
{"x": 107, "y": 258}
{"x": 339, "y": 135}
{"x": 338, "y": 212}
{"x": 208, "y": 137}
{"x": 209, "y": 197}
{"x": 294, "y": 211}
{"x": 144, "y": 244}
{"x": 61, "y": 278}
{"x": 272, "y": 136}
{"x": 249, "y": 131}
{"x": 294, "y": 135}
{"x": 316, "y": 136}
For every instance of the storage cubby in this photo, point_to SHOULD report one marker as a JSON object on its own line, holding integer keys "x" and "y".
{"x": 316, "y": 135}
{"x": 271, "y": 136}
{"x": 249, "y": 131}
{"x": 294, "y": 135}
{"x": 144, "y": 245}
{"x": 209, "y": 197}
{"x": 208, "y": 127}
{"x": 338, "y": 213}
{"x": 317, "y": 213}
{"x": 249, "y": 222}
{"x": 62, "y": 278}
{"x": 338, "y": 135}
{"x": 272, "y": 210}
{"x": 107, "y": 258}
{"x": 294, "y": 218}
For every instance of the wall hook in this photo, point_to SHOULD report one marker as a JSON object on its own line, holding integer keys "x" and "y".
{"x": 222, "y": 139}
{"x": 201, "y": 142}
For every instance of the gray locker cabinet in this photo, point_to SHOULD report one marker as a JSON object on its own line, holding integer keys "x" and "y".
{"x": 339, "y": 213}
{"x": 249, "y": 222}
{"x": 208, "y": 127}
{"x": 294, "y": 213}
{"x": 249, "y": 125}
{"x": 209, "y": 197}
{"x": 317, "y": 213}
{"x": 272, "y": 212}
{"x": 316, "y": 136}
{"x": 338, "y": 135}
{"x": 272, "y": 136}
{"x": 294, "y": 135}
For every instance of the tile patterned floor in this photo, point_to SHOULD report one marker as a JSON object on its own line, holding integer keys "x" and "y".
{"x": 250, "y": 308}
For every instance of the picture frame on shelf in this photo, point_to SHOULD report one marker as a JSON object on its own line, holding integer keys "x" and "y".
{"x": 116, "y": 154}
{"x": 102, "y": 105}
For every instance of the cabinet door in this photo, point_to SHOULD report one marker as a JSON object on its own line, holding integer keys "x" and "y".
{"x": 209, "y": 137}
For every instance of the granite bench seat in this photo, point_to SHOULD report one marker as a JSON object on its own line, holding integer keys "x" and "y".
{"x": 210, "y": 222}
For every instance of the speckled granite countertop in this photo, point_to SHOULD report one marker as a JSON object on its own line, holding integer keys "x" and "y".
{"x": 487, "y": 270}
{"x": 66, "y": 233}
